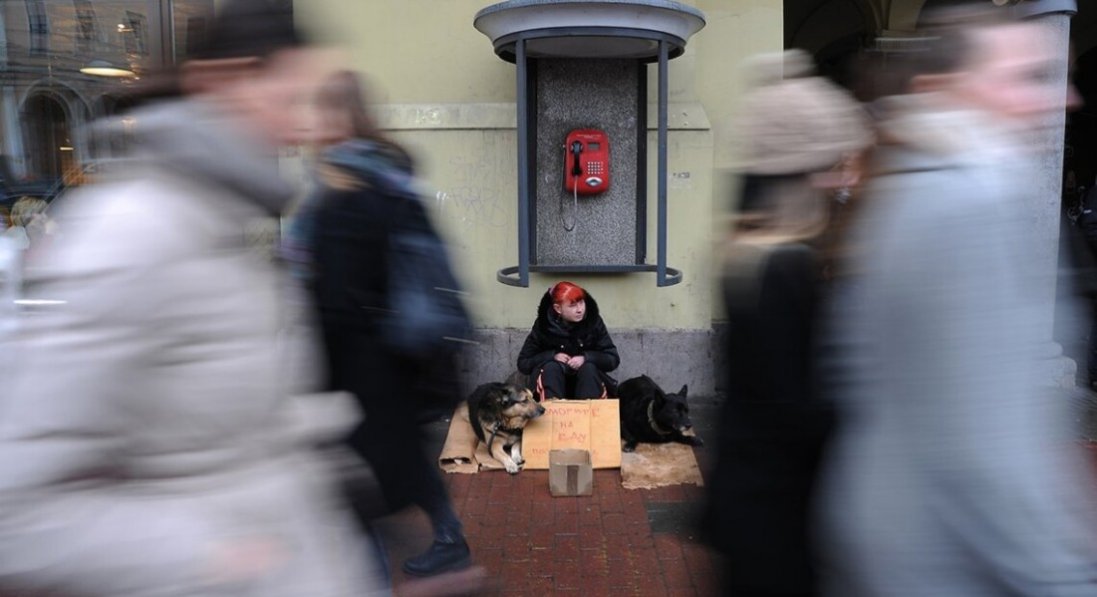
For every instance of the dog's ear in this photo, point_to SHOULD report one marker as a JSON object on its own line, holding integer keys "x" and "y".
{"x": 683, "y": 391}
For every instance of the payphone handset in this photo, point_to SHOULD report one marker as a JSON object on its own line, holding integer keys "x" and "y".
{"x": 586, "y": 162}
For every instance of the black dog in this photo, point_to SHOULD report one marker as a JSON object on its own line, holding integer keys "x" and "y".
{"x": 650, "y": 415}
{"x": 498, "y": 413}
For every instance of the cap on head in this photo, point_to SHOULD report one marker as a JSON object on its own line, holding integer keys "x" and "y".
{"x": 251, "y": 28}
{"x": 795, "y": 123}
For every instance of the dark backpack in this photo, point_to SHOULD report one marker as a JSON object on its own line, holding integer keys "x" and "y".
{"x": 426, "y": 318}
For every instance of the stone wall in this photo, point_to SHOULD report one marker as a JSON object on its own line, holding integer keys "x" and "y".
{"x": 670, "y": 357}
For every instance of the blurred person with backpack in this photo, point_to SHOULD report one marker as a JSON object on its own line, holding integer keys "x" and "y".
{"x": 382, "y": 285}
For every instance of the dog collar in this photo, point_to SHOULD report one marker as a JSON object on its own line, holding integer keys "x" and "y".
{"x": 651, "y": 420}
{"x": 496, "y": 429}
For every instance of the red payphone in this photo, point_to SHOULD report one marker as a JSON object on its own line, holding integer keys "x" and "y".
{"x": 586, "y": 162}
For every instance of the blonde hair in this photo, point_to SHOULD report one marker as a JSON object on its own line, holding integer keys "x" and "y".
{"x": 25, "y": 209}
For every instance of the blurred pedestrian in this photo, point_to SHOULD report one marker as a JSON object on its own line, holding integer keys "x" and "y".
{"x": 797, "y": 130}
{"x": 342, "y": 237}
{"x": 144, "y": 446}
{"x": 952, "y": 472}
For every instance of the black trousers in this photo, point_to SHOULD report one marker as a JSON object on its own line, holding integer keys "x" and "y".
{"x": 557, "y": 380}
{"x": 391, "y": 439}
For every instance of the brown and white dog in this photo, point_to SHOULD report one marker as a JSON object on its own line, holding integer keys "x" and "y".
{"x": 498, "y": 413}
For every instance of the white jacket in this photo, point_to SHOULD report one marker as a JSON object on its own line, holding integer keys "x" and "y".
{"x": 145, "y": 435}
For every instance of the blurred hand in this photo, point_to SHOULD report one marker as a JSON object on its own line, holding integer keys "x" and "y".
{"x": 244, "y": 559}
{"x": 576, "y": 362}
{"x": 562, "y": 358}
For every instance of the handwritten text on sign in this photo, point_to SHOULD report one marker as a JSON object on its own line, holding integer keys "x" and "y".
{"x": 592, "y": 425}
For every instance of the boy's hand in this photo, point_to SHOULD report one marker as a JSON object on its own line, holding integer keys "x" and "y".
{"x": 246, "y": 559}
{"x": 576, "y": 362}
{"x": 562, "y": 358}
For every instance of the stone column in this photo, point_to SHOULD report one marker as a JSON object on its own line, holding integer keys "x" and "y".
{"x": 1046, "y": 210}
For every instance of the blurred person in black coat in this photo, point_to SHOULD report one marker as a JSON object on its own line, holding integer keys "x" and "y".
{"x": 340, "y": 242}
{"x": 773, "y": 426}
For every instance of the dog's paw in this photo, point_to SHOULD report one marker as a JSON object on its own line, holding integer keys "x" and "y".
{"x": 692, "y": 440}
{"x": 519, "y": 461}
{"x": 512, "y": 468}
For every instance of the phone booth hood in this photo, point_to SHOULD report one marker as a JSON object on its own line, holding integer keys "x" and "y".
{"x": 537, "y": 36}
{"x": 584, "y": 28}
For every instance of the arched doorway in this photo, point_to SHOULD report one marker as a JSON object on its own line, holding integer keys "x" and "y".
{"x": 833, "y": 31}
{"x": 48, "y": 136}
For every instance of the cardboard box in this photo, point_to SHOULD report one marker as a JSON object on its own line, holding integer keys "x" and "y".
{"x": 570, "y": 473}
{"x": 591, "y": 425}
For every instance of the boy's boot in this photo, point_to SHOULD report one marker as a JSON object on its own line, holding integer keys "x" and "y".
{"x": 448, "y": 552}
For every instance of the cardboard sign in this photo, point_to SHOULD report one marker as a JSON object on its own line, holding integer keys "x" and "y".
{"x": 591, "y": 425}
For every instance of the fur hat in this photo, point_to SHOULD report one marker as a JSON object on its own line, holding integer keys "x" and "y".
{"x": 793, "y": 122}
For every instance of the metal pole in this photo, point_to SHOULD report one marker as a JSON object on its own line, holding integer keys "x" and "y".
{"x": 523, "y": 164}
{"x": 661, "y": 173}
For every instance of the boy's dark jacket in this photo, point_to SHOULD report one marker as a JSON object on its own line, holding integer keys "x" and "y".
{"x": 550, "y": 335}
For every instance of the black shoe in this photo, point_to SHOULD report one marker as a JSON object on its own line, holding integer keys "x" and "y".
{"x": 440, "y": 557}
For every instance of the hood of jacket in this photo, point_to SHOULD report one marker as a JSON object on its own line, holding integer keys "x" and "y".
{"x": 198, "y": 141}
{"x": 550, "y": 323}
{"x": 379, "y": 165}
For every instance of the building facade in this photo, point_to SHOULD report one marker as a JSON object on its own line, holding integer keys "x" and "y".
{"x": 438, "y": 88}
{"x": 64, "y": 63}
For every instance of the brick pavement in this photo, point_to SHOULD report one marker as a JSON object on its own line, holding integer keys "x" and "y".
{"x": 616, "y": 542}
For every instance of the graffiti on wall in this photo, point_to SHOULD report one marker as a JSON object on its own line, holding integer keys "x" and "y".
{"x": 479, "y": 189}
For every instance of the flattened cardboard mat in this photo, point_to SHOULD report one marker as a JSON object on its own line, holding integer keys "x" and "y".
{"x": 463, "y": 452}
{"x": 659, "y": 465}
{"x": 592, "y": 425}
